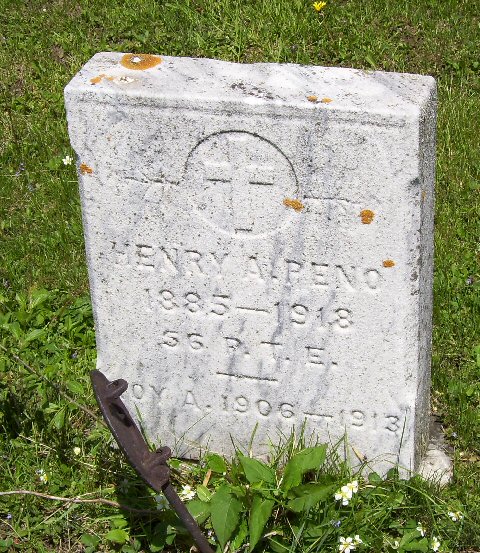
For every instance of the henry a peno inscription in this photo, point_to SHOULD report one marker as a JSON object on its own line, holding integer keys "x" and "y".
{"x": 257, "y": 258}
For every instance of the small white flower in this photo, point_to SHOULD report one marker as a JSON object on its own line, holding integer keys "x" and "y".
{"x": 353, "y": 486}
{"x": 455, "y": 515}
{"x": 346, "y": 545}
{"x": 211, "y": 536}
{"x": 42, "y": 476}
{"x": 435, "y": 543}
{"x": 421, "y": 529}
{"x": 187, "y": 493}
{"x": 344, "y": 494}
{"x": 67, "y": 160}
{"x": 396, "y": 544}
{"x": 162, "y": 502}
{"x": 77, "y": 450}
{"x": 357, "y": 540}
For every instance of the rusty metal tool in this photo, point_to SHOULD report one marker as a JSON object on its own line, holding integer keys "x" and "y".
{"x": 150, "y": 465}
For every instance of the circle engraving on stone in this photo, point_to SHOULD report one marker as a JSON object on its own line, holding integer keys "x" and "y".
{"x": 238, "y": 181}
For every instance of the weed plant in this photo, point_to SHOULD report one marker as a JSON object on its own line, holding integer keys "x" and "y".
{"x": 68, "y": 485}
{"x": 52, "y": 442}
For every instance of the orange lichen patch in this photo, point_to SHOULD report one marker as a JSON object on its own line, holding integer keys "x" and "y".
{"x": 97, "y": 79}
{"x": 367, "y": 216}
{"x": 312, "y": 99}
{"x": 85, "y": 169}
{"x": 388, "y": 263}
{"x": 326, "y": 100}
{"x": 294, "y": 204}
{"x": 140, "y": 61}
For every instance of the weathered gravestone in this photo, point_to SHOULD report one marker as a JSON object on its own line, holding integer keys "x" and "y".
{"x": 259, "y": 242}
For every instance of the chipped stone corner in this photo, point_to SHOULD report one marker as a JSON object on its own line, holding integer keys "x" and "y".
{"x": 437, "y": 465}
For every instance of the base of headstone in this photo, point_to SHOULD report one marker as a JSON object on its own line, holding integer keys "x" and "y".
{"x": 437, "y": 463}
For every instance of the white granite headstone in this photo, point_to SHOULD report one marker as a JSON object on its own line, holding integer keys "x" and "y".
{"x": 259, "y": 243}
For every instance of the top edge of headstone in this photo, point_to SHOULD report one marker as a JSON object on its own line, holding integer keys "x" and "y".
{"x": 114, "y": 76}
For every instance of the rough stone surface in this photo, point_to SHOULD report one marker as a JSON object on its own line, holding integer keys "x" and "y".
{"x": 259, "y": 242}
{"x": 436, "y": 464}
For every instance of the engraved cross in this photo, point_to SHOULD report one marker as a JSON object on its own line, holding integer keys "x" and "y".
{"x": 242, "y": 179}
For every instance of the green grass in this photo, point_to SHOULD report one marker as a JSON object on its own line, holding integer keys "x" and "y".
{"x": 41, "y": 246}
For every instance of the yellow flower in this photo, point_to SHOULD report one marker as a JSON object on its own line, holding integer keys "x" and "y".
{"x": 317, "y": 6}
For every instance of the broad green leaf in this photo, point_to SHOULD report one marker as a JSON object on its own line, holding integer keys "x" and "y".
{"x": 34, "y": 334}
{"x": 119, "y": 521}
{"x": 470, "y": 391}
{"x": 225, "y": 514}
{"x": 89, "y": 539}
{"x": 392, "y": 474}
{"x": 256, "y": 471}
{"x": 369, "y": 58}
{"x": 203, "y": 493}
{"x": 175, "y": 463}
{"x": 117, "y": 536}
{"x": 199, "y": 510}
{"x": 15, "y": 329}
{"x": 421, "y": 545}
{"x": 75, "y": 387}
{"x": 259, "y": 515}
{"x": 309, "y": 495}
{"x": 374, "y": 478}
{"x": 315, "y": 531}
{"x": 128, "y": 549}
{"x": 54, "y": 163}
{"x": 157, "y": 540}
{"x": 310, "y": 458}
{"x": 37, "y": 297}
{"x": 59, "y": 419}
{"x": 22, "y": 316}
{"x": 240, "y": 536}
{"x": 408, "y": 537}
{"x": 395, "y": 499}
{"x": 216, "y": 463}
